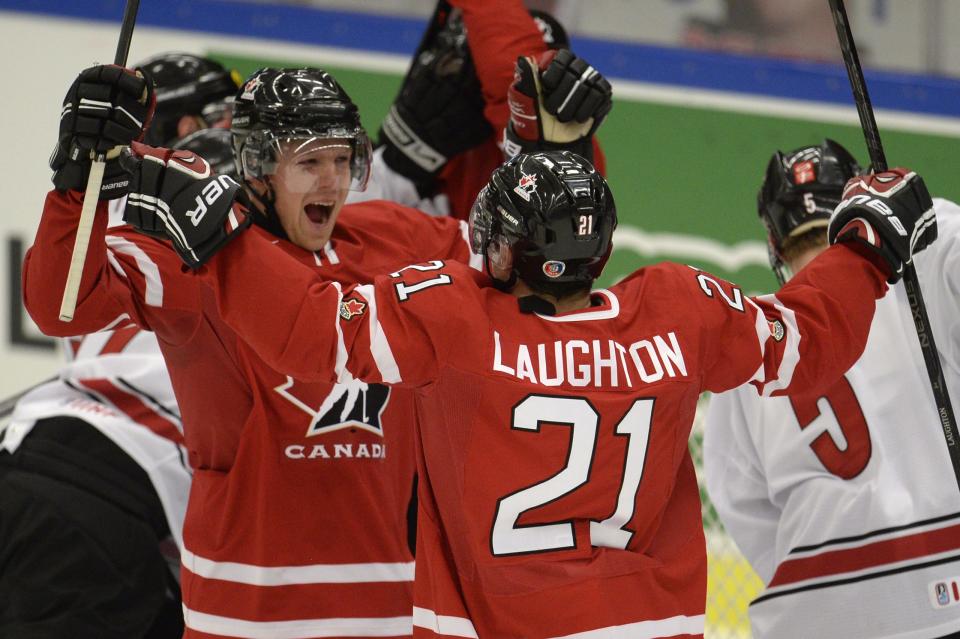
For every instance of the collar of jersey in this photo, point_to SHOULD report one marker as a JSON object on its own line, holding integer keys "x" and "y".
{"x": 608, "y": 310}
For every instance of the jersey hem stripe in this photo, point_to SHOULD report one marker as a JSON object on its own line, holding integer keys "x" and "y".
{"x": 652, "y": 629}
{"x": 298, "y": 628}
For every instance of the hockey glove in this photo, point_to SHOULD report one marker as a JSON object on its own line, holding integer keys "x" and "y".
{"x": 890, "y": 212}
{"x": 439, "y": 110}
{"x": 556, "y": 102}
{"x": 174, "y": 195}
{"x": 106, "y": 107}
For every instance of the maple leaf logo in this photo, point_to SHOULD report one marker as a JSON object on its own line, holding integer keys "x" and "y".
{"x": 351, "y": 307}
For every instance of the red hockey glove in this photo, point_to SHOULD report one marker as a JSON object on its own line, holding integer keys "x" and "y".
{"x": 557, "y": 102}
{"x": 175, "y": 195}
{"x": 890, "y": 212}
{"x": 106, "y": 107}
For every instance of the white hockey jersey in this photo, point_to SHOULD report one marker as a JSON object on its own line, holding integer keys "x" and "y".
{"x": 117, "y": 382}
{"x": 846, "y": 504}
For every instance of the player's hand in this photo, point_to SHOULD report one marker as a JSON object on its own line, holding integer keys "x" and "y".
{"x": 106, "y": 107}
{"x": 175, "y": 195}
{"x": 890, "y": 212}
{"x": 439, "y": 110}
{"x": 557, "y": 101}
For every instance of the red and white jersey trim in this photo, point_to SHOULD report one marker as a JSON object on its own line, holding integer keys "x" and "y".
{"x": 891, "y": 551}
{"x": 330, "y": 627}
{"x": 296, "y": 575}
{"x": 443, "y": 625}
{"x": 791, "y": 351}
{"x": 379, "y": 346}
{"x": 476, "y": 261}
{"x": 586, "y": 316}
{"x": 153, "y": 291}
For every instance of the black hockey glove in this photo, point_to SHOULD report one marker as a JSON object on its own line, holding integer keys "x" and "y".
{"x": 174, "y": 195}
{"x": 890, "y": 212}
{"x": 439, "y": 110}
{"x": 106, "y": 107}
{"x": 556, "y": 102}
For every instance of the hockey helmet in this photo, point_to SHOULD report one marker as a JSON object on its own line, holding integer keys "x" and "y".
{"x": 556, "y": 214}
{"x": 187, "y": 84}
{"x": 799, "y": 192}
{"x": 279, "y": 107}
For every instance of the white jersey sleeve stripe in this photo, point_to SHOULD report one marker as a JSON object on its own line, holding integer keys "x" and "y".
{"x": 153, "y": 294}
{"x": 115, "y": 264}
{"x": 297, "y": 575}
{"x": 443, "y": 625}
{"x": 340, "y": 367}
{"x": 791, "y": 352}
{"x": 379, "y": 346}
{"x": 297, "y": 628}
{"x": 476, "y": 262}
{"x": 651, "y": 629}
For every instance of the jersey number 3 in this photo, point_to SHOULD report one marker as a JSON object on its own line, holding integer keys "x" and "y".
{"x": 847, "y": 462}
{"x": 508, "y": 538}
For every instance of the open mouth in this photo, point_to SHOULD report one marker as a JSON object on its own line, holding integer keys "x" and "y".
{"x": 318, "y": 212}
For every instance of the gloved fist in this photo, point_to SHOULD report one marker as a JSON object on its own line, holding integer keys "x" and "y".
{"x": 106, "y": 107}
{"x": 439, "y": 110}
{"x": 890, "y": 212}
{"x": 557, "y": 101}
{"x": 175, "y": 195}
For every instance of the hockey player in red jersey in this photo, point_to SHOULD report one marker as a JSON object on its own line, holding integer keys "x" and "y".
{"x": 484, "y": 71}
{"x": 298, "y": 509}
{"x": 558, "y": 497}
{"x": 843, "y": 500}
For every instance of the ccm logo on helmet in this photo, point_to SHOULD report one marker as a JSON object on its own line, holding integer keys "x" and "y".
{"x": 210, "y": 194}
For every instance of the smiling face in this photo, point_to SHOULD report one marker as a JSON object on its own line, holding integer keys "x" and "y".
{"x": 310, "y": 185}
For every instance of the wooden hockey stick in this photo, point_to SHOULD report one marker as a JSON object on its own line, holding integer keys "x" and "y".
{"x": 918, "y": 309}
{"x": 94, "y": 181}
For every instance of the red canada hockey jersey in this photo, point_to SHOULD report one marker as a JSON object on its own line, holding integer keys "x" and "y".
{"x": 296, "y": 524}
{"x": 558, "y": 497}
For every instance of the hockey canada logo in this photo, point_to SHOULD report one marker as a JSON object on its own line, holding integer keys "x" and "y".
{"x": 553, "y": 268}
{"x": 351, "y": 308}
{"x": 776, "y": 330}
{"x": 945, "y": 593}
{"x": 250, "y": 87}
{"x": 354, "y": 404}
{"x": 526, "y": 187}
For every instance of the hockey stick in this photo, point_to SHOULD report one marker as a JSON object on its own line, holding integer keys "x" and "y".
{"x": 918, "y": 309}
{"x": 92, "y": 195}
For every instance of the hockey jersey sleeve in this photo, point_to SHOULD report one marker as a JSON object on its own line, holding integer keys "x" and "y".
{"x": 938, "y": 269}
{"x": 427, "y": 237}
{"x": 317, "y": 330}
{"x": 736, "y": 482}
{"x": 127, "y": 277}
{"x": 498, "y": 32}
{"x": 801, "y": 338}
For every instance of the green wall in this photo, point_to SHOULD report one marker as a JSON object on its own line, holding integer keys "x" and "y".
{"x": 690, "y": 171}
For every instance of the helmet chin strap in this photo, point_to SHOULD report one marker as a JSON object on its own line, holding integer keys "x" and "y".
{"x": 268, "y": 219}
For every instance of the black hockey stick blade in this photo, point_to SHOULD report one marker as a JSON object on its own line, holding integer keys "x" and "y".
{"x": 948, "y": 421}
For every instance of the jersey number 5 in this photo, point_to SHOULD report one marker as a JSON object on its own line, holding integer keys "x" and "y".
{"x": 849, "y": 461}
{"x": 509, "y": 538}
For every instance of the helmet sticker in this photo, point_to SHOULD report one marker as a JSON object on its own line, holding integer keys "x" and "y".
{"x": 804, "y": 172}
{"x": 526, "y": 187}
{"x": 554, "y": 268}
{"x": 250, "y": 87}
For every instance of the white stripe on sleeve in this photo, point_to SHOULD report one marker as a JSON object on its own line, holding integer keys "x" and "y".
{"x": 443, "y": 625}
{"x": 791, "y": 351}
{"x": 153, "y": 293}
{"x": 379, "y": 346}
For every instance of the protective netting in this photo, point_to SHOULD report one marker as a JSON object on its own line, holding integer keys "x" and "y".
{"x": 731, "y": 583}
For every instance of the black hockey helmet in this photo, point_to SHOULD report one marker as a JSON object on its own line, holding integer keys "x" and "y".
{"x": 278, "y": 105}
{"x": 799, "y": 192}
{"x": 554, "y": 211}
{"x": 187, "y": 84}
{"x": 213, "y": 145}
